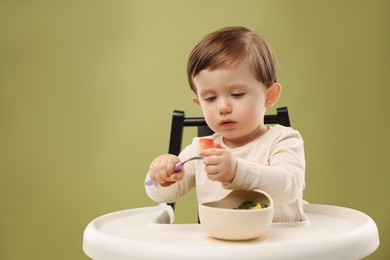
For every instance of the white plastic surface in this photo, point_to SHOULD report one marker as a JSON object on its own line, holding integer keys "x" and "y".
{"x": 331, "y": 232}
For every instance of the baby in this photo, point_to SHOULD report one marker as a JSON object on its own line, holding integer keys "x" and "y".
{"x": 232, "y": 73}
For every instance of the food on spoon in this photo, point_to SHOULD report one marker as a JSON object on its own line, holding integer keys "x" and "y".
{"x": 206, "y": 143}
{"x": 251, "y": 205}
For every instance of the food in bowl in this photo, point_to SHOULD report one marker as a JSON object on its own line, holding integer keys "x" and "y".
{"x": 222, "y": 221}
{"x": 251, "y": 205}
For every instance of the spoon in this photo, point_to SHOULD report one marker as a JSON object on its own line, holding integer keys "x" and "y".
{"x": 178, "y": 166}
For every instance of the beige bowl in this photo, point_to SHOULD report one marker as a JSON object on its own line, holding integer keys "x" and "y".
{"x": 222, "y": 221}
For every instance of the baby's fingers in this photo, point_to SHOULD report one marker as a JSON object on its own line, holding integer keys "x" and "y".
{"x": 177, "y": 176}
{"x": 162, "y": 167}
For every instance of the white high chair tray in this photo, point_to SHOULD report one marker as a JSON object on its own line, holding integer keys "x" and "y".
{"x": 331, "y": 232}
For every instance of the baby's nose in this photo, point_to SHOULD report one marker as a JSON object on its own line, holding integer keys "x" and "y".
{"x": 224, "y": 106}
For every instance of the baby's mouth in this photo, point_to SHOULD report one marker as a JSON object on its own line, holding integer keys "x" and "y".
{"x": 227, "y": 123}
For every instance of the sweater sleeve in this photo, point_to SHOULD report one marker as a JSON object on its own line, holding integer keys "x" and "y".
{"x": 283, "y": 177}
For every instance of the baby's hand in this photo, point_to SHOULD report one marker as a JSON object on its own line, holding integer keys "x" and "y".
{"x": 220, "y": 164}
{"x": 161, "y": 170}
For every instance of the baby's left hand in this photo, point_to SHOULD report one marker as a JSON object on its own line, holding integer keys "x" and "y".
{"x": 220, "y": 164}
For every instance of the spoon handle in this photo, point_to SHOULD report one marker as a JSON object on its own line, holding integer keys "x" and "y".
{"x": 178, "y": 166}
{"x": 149, "y": 182}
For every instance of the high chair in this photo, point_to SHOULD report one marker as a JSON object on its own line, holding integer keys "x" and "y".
{"x": 330, "y": 232}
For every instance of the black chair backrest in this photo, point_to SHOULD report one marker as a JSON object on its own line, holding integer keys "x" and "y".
{"x": 179, "y": 121}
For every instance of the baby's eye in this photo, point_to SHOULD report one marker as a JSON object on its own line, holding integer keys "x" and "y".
{"x": 237, "y": 95}
{"x": 210, "y": 98}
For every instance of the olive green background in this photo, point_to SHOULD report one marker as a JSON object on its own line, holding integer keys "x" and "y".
{"x": 87, "y": 89}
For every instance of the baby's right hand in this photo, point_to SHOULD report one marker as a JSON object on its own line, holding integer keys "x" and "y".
{"x": 161, "y": 170}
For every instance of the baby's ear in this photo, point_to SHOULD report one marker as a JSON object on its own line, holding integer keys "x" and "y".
{"x": 273, "y": 94}
{"x": 195, "y": 99}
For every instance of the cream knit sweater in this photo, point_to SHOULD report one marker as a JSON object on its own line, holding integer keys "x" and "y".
{"x": 274, "y": 163}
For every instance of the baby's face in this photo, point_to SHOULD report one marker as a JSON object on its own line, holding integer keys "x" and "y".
{"x": 233, "y": 102}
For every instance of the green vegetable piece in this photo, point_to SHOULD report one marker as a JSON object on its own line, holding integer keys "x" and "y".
{"x": 247, "y": 205}
{"x": 250, "y": 205}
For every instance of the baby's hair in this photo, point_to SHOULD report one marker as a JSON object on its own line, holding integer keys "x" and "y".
{"x": 228, "y": 47}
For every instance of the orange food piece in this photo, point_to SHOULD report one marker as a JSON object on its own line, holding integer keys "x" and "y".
{"x": 206, "y": 143}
